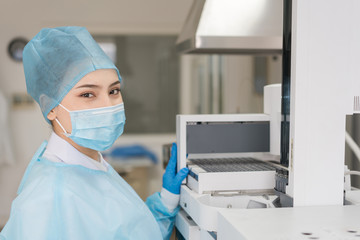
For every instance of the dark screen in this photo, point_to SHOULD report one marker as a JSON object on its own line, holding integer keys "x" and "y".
{"x": 228, "y": 137}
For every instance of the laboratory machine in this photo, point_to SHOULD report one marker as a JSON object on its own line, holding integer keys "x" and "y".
{"x": 280, "y": 174}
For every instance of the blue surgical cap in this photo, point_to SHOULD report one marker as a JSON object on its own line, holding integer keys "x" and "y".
{"x": 56, "y": 59}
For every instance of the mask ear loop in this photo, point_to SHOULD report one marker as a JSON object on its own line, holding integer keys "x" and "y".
{"x": 58, "y": 122}
{"x": 65, "y": 133}
{"x": 63, "y": 107}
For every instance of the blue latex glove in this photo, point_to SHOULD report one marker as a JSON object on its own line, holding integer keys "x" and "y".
{"x": 171, "y": 180}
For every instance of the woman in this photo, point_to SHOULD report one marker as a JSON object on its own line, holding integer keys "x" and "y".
{"x": 68, "y": 190}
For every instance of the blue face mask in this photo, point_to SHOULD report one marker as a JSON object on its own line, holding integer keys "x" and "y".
{"x": 96, "y": 128}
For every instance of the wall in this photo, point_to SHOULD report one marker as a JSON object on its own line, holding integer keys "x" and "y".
{"x": 26, "y": 18}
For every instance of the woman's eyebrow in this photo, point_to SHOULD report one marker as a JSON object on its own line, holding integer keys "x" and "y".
{"x": 114, "y": 83}
{"x": 97, "y": 86}
{"x": 88, "y": 86}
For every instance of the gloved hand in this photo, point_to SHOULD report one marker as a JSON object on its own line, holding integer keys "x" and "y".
{"x": 171, "y": 180}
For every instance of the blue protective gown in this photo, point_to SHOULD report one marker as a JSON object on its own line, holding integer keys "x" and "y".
{"x": 62, "y": 201}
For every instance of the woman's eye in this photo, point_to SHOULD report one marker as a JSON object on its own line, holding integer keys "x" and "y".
{"x": 87, "y": 95}
{"x": 115, "y": 91}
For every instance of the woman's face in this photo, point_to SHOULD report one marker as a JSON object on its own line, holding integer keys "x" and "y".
{"x": 100, "y": 88}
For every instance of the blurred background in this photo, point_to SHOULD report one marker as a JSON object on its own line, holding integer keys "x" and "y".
{"x": 158, "y": 82}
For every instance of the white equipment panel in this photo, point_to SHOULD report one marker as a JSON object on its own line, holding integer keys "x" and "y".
{"x": 204, "y": 208}
{"x": 324, "y": 66}
{"x": 321, "y": 222}
{"x": 187, "y": 226}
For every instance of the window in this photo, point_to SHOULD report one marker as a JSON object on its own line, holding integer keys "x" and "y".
{"x": 149, "y": 66}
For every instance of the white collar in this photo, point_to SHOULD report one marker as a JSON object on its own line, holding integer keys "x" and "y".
{"x": 59, "y": 150}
